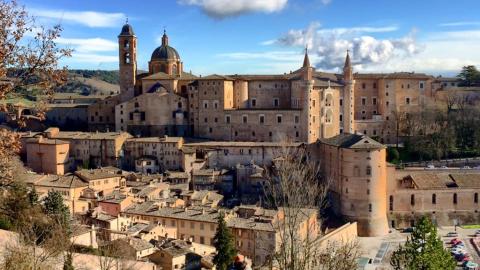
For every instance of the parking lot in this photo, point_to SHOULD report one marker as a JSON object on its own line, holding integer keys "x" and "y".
{"x": 377, "y": 250}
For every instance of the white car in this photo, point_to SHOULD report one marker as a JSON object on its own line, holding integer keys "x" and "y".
{"x": 466, "y": 167}
{"x": 430, "y": 167}
{"x": 444, "y": 167}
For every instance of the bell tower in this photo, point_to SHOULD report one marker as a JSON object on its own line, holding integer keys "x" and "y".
{"x": 348, "y": 97}
{"x": 127, "y": 53}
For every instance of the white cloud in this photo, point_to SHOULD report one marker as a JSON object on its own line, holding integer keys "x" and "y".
{"x": 225, "y": 8}
{"x": 330, "y": 45}
{"x": 88, "y": 44}
{"x": 93, "y": 59}
{"x": 87, "y": 18}
{"x": 460, "y": 23}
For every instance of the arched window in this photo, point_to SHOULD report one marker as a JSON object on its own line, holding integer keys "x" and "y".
{"x": 179, "y": 105}
{"x": 412, "y": 199}
{"x": 391, "y": 203}
{"x": 454, "y": 198}
{"x": 328, "y": 116}
{"x": 126, "y": 44}
{"x": 434, "y": 198}
{"x": 369, "y": 170}
{"x": 127, "y": 58}
{"x": 329, "y": 100}
{"x": 174, "y": 69}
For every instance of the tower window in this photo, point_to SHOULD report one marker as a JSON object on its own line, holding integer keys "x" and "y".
{"x": 174, "y": 69}
{"x": 369, "y": 207}
{"x": 369, "y": 170}
{"x": 126, "y": 44}
{"x": 412, "y": 199}
{"x": 276, "y": 102}
{"x": 407, "y": 100}
{"x": 297, "y": 119}
{"x": 363, "y": 86}
{"x": 227, "y": 119}
{"x": 254, "y": 102}
{"x": 364, "y": 101}
{"x": 245, "y": 119}
{"x": 475, "y": 198}
{"x": 434, "y": 198}
{"x": 126, "y": 58}
{"x": 454, "y": 198}
{"x": 374, "y": 101}
{"x": 391, "y": 203}
{"x": 279, "y": 119}
{"x": 341, "y": 102}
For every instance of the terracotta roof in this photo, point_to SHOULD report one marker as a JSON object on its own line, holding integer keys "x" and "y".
{"x": 353, "y": 141}
{"x": 466, "y": 180}
{"x": 166, "y": 139}
{"x": 63, "y": 181}
{"x": 241, "y": 144}
{"x": 164, "y": 76}
{"x": 105, "y": 172}
{"x": 395, "y": 75}
{"x": 430, "y": 180}
{"x": 216, "y": 77}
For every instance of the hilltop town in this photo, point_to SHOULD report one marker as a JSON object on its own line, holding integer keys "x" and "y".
{"x": 152, "y": 168}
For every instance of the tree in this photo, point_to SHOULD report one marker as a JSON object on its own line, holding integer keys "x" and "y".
{"x": 423, "y": 250}
{"x": 55, "y": 208}
{"x": 29, "y": 60}
{"x": 296, "y": 188}
{"x": 225, "y": 245}
{"x": 469, "y": 75}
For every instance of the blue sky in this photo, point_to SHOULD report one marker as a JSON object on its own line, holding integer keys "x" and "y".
{"x": 269, "y": 36}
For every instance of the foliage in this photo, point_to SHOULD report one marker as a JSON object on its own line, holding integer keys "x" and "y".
{"x": 55, "y": 208}
{"x": 68, "y": 262}
{"x": 423, "y": 250}
{"x": 224, "y": 244}
{"x": 469, "y": 75}
{"x": 393, "y": 155}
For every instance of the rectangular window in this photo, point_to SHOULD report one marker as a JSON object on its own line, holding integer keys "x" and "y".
{"x": 254, "y": 102}
{"x": 374, "y": 101}
{"x": 205, "y": 104}
{"x": 421, "y": 85}
{"x": 244, "y": 119}
{"x": 297, "y": 119}
{"x": 227, "y": 119}
{"x": 364, "y": 101}
{"x": 341, "y": 102}
{"x": 261, "y": 119}
{"x": 215, "y": 104}
{"x": 407, "y": 100}
{"x": 276, "y": 102}
{"x": 279, "y": 119}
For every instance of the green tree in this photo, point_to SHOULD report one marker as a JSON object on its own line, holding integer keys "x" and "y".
{"x": 469, "y": 75}
{"x": 55, "y": 208}
{"x": 225, "y": 245}
{"x": 393, "y": 155}
{"x": 423, "y": 250}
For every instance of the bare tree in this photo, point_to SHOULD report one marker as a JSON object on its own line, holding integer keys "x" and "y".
{"x": 29, "y": 60}
{"x": 296, "y": 188}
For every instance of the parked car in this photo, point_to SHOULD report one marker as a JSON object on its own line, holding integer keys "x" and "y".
{"x": 452, "y": 234}
{"x": 455, "y": 241}
{"x": 430, "y": 167}
{"x": 408, "y": 230}
{"x": 466, "y": 167}
{"x": 444, "y": 167}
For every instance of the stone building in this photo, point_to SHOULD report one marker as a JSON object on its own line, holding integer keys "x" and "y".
{"x": 86, "y": 149}
{"x": 49, "y": 156}
{"x": 303, "y": 105}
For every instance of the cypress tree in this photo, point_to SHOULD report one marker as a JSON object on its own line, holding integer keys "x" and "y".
{"x": 225, "y": 245}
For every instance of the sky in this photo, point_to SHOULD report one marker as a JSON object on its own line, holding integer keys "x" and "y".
{"x": 270, "y": 36}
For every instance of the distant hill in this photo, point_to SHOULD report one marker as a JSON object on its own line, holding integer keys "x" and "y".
{"x": 91, "y": 82}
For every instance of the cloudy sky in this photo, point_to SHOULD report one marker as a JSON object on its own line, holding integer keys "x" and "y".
{"x": 270, "y": 36}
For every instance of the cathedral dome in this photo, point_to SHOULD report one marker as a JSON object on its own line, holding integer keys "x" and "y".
{"x": 165, "y": 52}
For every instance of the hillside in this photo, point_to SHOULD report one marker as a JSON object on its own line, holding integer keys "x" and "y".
{"x": 91, "y": 82}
